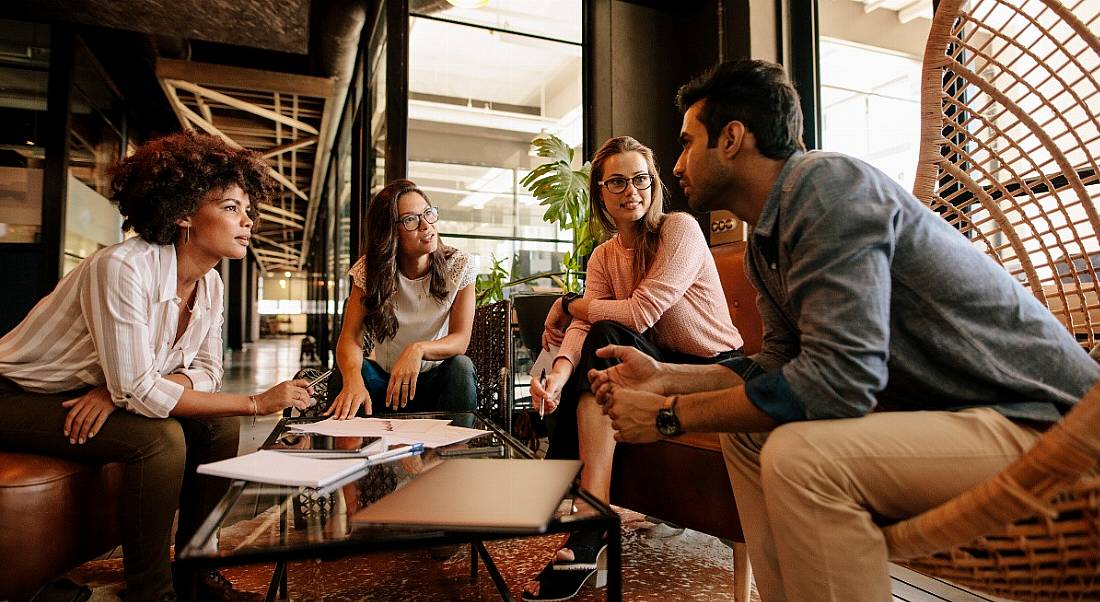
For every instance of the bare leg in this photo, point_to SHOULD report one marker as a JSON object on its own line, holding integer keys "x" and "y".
{"x": 597, "y": 447}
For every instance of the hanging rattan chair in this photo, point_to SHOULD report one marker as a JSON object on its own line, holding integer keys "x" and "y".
{"x": 1009, "y": 145}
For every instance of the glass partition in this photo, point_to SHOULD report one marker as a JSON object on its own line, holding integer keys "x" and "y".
{"x": 96, "y": 142}
{"x": 553, "y": 19}
{"x": 376, "y": 95}
{"x": 873, "y": 111}
{"x": 482, "y": 84}
{"x": 24, "y": 71}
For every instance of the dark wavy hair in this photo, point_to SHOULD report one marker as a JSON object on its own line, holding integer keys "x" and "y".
{"x": 380, "y": 263}
{"x": 165, "y": 180}
{"x": 647, "y": 231}
{"x": 756, "y": 93}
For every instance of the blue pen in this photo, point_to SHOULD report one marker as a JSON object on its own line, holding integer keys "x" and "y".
{"x": 397, "y": 453}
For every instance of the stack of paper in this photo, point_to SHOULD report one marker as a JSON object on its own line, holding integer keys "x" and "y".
{"x": 282, "y": 468}
{"x": 431, "y": 432}
{"x": 266, "y": 466}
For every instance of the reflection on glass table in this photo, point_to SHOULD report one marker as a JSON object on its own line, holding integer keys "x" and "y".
{"x": 256, "y": 523}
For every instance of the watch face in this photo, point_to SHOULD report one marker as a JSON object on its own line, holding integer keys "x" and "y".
{"x": 667, "y": 423}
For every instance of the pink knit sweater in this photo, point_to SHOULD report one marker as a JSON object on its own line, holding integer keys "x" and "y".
{"x": 679, "y": 302}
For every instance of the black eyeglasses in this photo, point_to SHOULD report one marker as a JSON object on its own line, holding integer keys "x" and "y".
{"x": 412, "y": 222}
{"x": 617, "y": 185}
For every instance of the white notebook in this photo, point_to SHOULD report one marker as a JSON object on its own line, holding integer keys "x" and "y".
{"x": 266, "y": 466}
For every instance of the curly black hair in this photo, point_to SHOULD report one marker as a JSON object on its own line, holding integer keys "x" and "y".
{"x": 164, "y": 181}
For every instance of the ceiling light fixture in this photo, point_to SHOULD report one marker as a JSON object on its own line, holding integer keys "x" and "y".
{"x": 468, "y": 3}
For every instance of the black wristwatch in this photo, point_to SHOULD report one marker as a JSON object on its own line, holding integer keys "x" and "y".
{"x": 566, "y": 299}
{"x": 667, "y": 422}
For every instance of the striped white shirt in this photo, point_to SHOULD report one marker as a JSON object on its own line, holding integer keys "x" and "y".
{"x": 112, "y": 321}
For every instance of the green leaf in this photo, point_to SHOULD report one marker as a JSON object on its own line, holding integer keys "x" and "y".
{"x": 563, "y": 192}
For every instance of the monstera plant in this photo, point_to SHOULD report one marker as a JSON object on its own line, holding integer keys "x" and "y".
{"x": 564, "y": 192}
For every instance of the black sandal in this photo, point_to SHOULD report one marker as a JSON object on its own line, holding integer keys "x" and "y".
{"x": 587, "y": 547}
{"x": 559, "y": 585}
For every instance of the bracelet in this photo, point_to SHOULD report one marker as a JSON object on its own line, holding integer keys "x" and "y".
{"x": 255, "y": 409}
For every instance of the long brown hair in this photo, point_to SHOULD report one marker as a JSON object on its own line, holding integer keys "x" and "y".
{"x": 380, "y": 266}
{"x": 647, "y": 231}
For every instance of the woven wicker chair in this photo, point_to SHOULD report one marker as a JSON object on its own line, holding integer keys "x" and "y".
{"x": 490, "y": 351}
{"x": 1010, "y": 135}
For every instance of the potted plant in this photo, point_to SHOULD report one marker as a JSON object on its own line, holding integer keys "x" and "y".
{"x": 564, "y": 192}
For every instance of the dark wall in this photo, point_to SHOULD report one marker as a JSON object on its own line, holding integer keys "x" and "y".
{"x": 20, "y": 269}
{"x": 639, "y": 54}
{"x": 236, "y": 313}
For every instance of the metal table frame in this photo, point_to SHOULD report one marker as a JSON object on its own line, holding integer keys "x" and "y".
{"x": 193, "y": 557}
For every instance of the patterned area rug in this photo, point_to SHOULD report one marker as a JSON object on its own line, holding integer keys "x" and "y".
{"x": 659, "y": 563}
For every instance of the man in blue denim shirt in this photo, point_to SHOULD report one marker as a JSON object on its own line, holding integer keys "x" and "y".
{"x": 869, "y": 301}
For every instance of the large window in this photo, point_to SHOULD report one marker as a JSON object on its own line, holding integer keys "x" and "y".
{"x": 24, "y": 71}
{"x": 483, "y": 83}
{"x": 870, "y": 105}
{"x": 96, "y": 142}
{"x": 870, "y": 82}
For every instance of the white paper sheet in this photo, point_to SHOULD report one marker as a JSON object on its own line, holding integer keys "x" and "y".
{"x": 439, "y": 436}
{"x": 544, "y": 362}
{"x": 369, "y": 427}
{"x": 432, "y": 432}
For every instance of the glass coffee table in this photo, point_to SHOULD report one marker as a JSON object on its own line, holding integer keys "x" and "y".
{"x": 272, "y": 523}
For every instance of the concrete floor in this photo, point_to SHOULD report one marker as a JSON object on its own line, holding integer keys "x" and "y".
{"x": 254, "y": 369}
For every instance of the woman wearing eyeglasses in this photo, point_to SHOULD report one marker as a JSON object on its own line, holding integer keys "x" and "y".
{"x": 412, "y": 299}
{"x": 653, "y": 286}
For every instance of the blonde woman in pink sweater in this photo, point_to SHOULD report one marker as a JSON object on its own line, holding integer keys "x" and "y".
{"x": 652, "y": 285}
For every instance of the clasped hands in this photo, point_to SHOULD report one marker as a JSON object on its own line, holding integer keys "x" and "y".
{"x": 630, "y": 393}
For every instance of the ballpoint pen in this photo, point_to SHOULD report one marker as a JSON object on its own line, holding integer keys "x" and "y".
{"x": 397, "y": 453}
{"x": 315, "y": 381}
{"x": 320, "y": 378}
{"x": 542, "y": 402}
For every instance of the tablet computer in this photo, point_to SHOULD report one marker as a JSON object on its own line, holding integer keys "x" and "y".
{"x": 312, "y": 444}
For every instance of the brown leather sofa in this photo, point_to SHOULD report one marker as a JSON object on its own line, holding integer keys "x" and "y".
{"x": 54, "y": 515}
{"x": 683, "y": 481}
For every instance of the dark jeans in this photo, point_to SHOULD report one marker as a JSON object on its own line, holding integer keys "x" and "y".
{"x": 564, "y": 439}
{"x": 449, "y": 387}
{"x": 160, "y": 456}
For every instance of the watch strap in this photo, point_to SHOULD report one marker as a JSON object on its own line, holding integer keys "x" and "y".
{"x": 668, "y": 411}
{"x": 566, "y": 299}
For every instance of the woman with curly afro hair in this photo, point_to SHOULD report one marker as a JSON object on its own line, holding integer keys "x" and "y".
{"x": 137, "y": 327}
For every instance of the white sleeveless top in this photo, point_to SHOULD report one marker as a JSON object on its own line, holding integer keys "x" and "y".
{"x": 420, "y": 316}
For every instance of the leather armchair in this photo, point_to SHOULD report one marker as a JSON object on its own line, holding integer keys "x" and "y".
{"x": 683, "y": 480}
{"x": 54, "y": 515}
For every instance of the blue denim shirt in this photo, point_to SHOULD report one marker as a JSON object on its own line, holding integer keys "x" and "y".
{"x": 869, "y": 300}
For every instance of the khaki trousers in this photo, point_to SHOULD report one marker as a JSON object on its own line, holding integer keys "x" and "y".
{"x": 811, "y": 494}
{"x": 160, "y": 456}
